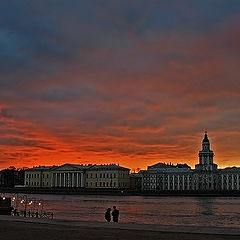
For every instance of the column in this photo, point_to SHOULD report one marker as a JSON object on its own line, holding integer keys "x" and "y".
{"x": 173, "y": 182}
{"x": 227, "y": 182}
{"x": 77, "y": 184}
{"x": 68, "y": 179}
{"x": 183, "y": 182}
{"x": 237, "y": 181}
{"x": 222, "y": 182}
{"x": 64, "y": 179}
{"x": 187, "y": 182}
{"x": 60, "y": 179}
{"x": 57, "y": 179}
{"x": 73, "y": 179}
{"x": 163, "y": 183}
{"x": 81, "y": 180}
{"x": 52, "y": 182}
{"x": 168, "y": 182}
{"x": 178, "y": 182}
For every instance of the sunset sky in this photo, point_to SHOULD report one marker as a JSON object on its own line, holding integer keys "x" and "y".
{"x": 133, "y": 82}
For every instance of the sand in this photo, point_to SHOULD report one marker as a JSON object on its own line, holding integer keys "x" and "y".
{"x": 42, "y": 229}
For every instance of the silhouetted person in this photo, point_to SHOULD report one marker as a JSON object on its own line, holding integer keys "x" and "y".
{"x": 115, "y": 214}
{"x": 108, "y": 215}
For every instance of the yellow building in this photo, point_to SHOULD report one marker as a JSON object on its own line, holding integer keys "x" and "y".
{"x": 107, "y": 176}
{"x": 38, "y": 176}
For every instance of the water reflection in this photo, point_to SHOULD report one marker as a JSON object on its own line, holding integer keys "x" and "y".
{"x": 147, "y": 210}
{"x": 206, "y": 206}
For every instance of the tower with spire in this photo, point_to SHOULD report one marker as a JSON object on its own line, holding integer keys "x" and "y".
{"x": 206, "y": 157}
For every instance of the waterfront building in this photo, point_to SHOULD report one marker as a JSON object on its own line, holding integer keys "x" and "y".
{"x": 136, "y": 181}
{"x": 12, "y": 177}
{"x": 78, "y": 176}
{"x": 69, "y": 175}
{"x": 107, "y": 176}
{"x": 205, "y": 177}
{"x": 39, "y": 177}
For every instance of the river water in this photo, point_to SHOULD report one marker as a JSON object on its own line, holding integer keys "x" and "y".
{"x": 194, "y": 211}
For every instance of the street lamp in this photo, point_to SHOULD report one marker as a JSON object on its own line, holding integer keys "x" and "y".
{"x": 41, "y": 204}
{"x": 24, "y": 200}
{"x": 3, "y": 196}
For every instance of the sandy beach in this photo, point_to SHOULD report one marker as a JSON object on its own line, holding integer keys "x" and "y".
{"x": 39, "y": 229}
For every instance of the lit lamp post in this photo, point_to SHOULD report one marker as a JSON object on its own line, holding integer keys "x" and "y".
{"x": 34, "y": 204}
{"x": 24, "y": 200}
{"x": 31, "y": 203}
{"x": 3, "y": 196}
{"x": 40, "y": 204}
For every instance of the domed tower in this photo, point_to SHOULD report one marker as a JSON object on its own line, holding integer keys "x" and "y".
{"x": 206, "y": 157}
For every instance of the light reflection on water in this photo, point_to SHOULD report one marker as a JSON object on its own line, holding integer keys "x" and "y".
{"x": 205, "y": 211}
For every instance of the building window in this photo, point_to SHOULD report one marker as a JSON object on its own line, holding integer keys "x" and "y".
{"x": 100, "y": 184}
{"x": 107, "y": 175}
{"x": 114, "y": 175}
{"x": 96, "y": 175}
{"x": 103, "y": 184}
{"x": 100, "y": 175}
{"x": 95, "y": 184}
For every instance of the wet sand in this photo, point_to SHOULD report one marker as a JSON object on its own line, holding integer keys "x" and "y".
{"x": 43, "y": 229}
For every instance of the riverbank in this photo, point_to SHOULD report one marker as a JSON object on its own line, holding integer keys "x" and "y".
{"x": 118, "y": 192}
{"x": 20, "y": 228}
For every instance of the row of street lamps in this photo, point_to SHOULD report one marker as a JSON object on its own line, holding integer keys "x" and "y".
{"x": 24, "y": 203}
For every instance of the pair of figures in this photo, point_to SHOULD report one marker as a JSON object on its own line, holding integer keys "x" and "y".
{"x": 115, "y": 214}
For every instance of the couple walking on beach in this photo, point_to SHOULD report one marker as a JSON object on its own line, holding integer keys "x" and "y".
{"x": 115, "y": 214}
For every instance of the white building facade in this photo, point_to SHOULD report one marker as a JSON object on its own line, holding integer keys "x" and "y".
{"x": 205, "y": 177}
{"x": 69, "y": 176}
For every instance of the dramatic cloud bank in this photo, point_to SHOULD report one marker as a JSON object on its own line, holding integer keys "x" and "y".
{"x": 131, "y": 82}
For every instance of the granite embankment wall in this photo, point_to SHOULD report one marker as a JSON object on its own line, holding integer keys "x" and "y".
{"x": 116, "y": 192}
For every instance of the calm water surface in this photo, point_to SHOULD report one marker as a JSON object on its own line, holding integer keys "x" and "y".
{"x": 205, "y": 211}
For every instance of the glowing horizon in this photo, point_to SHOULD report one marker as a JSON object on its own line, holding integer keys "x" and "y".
{"x": 132, "y": 83}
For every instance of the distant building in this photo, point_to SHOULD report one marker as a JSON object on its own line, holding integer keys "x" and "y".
{"x": 11, "y": 177}
{"x": 107, "y": 176}
{"x": 136, "y": 181}
{"x": 205, "y": 177}
{"x": 69, "y": 176}
{"x": 39, "y": 177}
{"x": 78, "y": 176}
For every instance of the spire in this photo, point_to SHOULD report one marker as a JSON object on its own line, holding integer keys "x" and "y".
{"x": 205, "y": 140}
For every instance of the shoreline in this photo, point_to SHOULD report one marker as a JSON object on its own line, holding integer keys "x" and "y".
{"x": 120, "y": 192}
{"x": 91, "y": 230}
